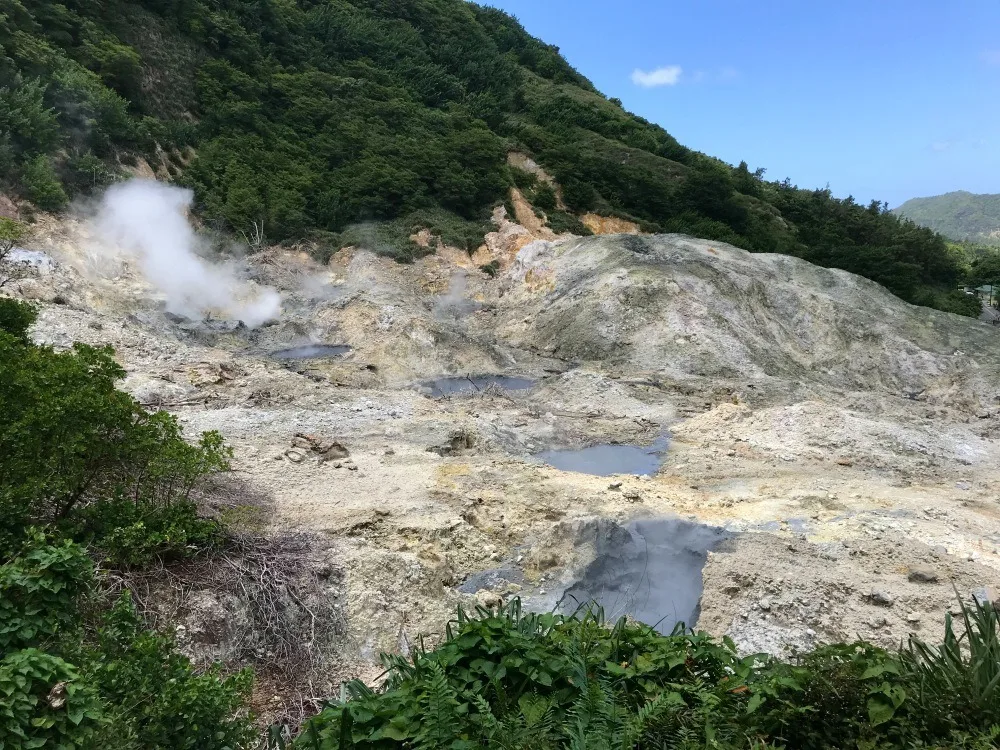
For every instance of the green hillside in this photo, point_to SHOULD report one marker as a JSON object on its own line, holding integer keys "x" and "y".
{"x": 961, "y": 216}
{"x": 316, "y": 115}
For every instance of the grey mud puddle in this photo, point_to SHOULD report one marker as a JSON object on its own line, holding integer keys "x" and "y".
{"x": 650, "y": 570}
{"x": 312, "y": 351}
{"x": 464, "y": 384}
{"x": 608, "y": 460}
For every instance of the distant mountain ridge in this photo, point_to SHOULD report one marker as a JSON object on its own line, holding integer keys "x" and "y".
{"x": 961, "y": 215}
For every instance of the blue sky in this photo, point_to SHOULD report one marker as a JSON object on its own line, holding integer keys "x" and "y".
{"x": 886, "y": 99}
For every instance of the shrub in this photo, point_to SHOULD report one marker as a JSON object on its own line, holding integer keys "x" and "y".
{"x": 75, "y": 677}
{"x": 155, "y": 697}
{"x": 16, "y": 317}
{"x": 42, "y": 186}
{"x": 511, "y": 680}
{"x": 40, "y": 587}
{"x": 11, "y": 232}
{"x": 128, "y": 535}
{"x": 957, "y": 683}
{"x": 503, "y": 679}
{"x": 45, "y": 705}
{"x": 75, "y": 451}
{"x": 32, "y": 126}
{"x": 491, "y": 269}
{"x": 955, "y": 301}
{"x": 545, "y": 197}
{"x": 561, "y": 222}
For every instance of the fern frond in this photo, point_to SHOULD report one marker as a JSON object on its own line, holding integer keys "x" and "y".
{"x": 439, "y": 704}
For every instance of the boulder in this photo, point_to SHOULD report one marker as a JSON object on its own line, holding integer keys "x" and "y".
{"x": 923, "y": 575}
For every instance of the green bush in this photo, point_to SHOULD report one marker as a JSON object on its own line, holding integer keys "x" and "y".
{"x": 40, "y": 588}
{"x": 78, "y": 454}
{"x": 491, "y": 269}
{"x": 16, "y": 318}
{"x": 957, "y": 683}
{"x": 154, "y": 696}
{"x": 510, "y": 680}
{"x": 42, "y": 186}
{"x": 73, "y": 676}
{"x": 561, "y": 222}
{"x": 45, "y": 705}
{"x": 506, "y": 680}
{"x": 31, "y": 126}
{"x": 955, "y": 301}
{"x": 128, "y": 534}
{"x": 544, "y": 197}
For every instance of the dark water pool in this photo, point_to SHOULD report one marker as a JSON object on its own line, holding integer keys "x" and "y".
{"x": 648, "y": 569}
{"x": 475, "y": 384}
{"x": 608, "y": 460}
{"x": 312, "y": 351}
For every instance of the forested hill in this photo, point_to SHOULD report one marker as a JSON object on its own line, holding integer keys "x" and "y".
{"x": 961, "y": 216}
{"x": 316, "y": 115}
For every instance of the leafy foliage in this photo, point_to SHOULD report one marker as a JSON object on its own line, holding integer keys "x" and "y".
{"x": 71, "y": 678}
{"x": 959, "y": 681}
{"x": 508, "y": 680}
{"x": 45, "y": 706}
{"x": 87, "y": 463}
{"x": 353, "y": 119}
{"x": 16, "y": 318}
{"x": 80, "y": 455}
{"x": 180, "y": 708}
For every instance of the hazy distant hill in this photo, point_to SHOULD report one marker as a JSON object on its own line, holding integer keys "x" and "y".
{"x": 960, "y": 215}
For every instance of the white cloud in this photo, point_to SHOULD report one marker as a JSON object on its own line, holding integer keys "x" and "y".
{"x": 941, "y": 145}
{"x": 666, "y": 76}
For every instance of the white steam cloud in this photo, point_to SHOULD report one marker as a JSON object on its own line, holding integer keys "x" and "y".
{"x": 148, "y": 221}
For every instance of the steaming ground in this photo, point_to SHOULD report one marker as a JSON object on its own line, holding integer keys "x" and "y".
{"x": 844, "y": 439}
{"x": 147, "y": 222}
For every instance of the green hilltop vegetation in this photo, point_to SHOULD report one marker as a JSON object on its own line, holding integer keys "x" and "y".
{"x": 960, "y": 216}
{"x": 330, "y": 120}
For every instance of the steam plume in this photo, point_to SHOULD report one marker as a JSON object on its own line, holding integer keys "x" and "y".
{"x": 147, "y": 220}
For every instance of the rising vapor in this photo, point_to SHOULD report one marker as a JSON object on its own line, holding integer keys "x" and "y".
{"x": 147, "y": 220}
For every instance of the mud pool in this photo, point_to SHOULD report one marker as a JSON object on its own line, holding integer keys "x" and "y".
{"x": 608, "y": 460}
{"x": 312, "y": 351}
{"x": 651, "y": 570}
{"x": 474, "y": 384}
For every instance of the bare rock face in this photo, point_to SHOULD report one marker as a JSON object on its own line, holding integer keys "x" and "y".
{"x": 8, "y": 209}
{"x": 696, "y": 308}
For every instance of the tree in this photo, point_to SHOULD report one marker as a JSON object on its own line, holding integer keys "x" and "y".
{"x": 986, "y": 270}
{"x": 41, "y": 184}
{"x": 11, "y": 232}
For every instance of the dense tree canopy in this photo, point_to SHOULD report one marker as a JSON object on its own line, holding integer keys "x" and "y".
{"x": 315, "y": 116}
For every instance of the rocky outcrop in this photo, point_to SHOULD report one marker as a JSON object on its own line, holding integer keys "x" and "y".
{"x": 695, "y": 308}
